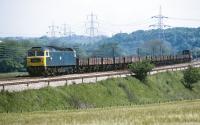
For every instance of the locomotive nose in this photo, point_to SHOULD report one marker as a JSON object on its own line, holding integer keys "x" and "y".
{"x": 35, "y": 61}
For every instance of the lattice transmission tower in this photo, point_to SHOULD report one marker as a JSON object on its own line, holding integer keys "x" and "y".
{"x": 53, "y": 30}
{"x": 160, "y": 24}
{"x": 65, "y": 31}
{"x": 92, "y": 25}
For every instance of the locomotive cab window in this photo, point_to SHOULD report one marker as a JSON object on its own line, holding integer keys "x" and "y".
{"x": 31, "y": 53}
{"x": 39, "y": 53}
{"x": 47, "y": 53}
{"x": 35, "y": 53}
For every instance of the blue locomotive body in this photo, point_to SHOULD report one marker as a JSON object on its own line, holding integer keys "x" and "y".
{"x": 66, "y": 57}
{"x": 50, "y": 60}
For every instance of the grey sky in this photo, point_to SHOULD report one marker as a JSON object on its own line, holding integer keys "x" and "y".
{"x": 32, "y": 17}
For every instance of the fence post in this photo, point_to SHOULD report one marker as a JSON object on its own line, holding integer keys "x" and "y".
{"x": 48, "y": 83}
{"x": 3, "y": 87}
{"x": 66, "y": 83}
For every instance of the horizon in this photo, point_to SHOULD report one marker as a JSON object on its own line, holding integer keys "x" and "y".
{"x": 82, "y": 35}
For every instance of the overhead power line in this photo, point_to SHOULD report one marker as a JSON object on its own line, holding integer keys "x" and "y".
{"x": 184, "y": 19}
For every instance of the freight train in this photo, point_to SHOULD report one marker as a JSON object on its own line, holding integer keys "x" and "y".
{"x": 51, "y": 60}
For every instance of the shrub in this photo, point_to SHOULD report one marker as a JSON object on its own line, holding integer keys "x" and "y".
{"x": 191, "y": 76}
{"x": 141, "y": 69}
{"x": 10, "y": 66}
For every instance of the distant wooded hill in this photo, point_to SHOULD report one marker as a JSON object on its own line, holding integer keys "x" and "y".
{"x": 140, "y": 42}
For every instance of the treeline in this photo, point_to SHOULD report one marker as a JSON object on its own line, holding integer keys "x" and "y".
{"x": 142, "y": 43}
{"x": 13, "y": 53}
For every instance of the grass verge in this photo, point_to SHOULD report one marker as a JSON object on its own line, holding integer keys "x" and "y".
{"x": 12, "y": 75}
{"x": 161, "y": 87}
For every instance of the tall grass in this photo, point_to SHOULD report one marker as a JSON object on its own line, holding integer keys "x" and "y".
{"x": 176, "y": 113}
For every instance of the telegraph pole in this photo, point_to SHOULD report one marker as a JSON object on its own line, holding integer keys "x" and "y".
{"x": 160, "y": 24}
{"x": 92, "y": 25}
{"x": 64, "y": 30}
{"x": 138, "y": 52}
{"x": 113, "y": 51}
{"x": 70, "y": 33}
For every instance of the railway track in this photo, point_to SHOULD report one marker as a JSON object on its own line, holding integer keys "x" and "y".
{"x": 40, "y": 82}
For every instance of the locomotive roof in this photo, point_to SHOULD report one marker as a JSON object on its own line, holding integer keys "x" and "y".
{"x": 53, "y": 48}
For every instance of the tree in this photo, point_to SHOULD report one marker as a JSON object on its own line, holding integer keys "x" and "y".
{"x": 191, "y": 76}
{"x": 141, "y": 69}
{"x": 157, "y": 47}
{"x": 109, "y": 50}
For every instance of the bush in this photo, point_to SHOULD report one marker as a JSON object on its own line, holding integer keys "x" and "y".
{"x": 191, "y": 76}
{"x": 10, "y": 65}
{"x": 141, "y": 69}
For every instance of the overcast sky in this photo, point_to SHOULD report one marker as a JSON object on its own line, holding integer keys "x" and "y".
{"x": 32, "y": 17}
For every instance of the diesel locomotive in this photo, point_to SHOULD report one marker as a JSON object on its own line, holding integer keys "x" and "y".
{"x": 51, "y": 60}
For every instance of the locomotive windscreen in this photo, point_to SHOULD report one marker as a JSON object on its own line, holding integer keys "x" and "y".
{"x": 35, "y": 53}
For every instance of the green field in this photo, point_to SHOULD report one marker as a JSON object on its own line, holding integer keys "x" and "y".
{"x": 176, "y": 113}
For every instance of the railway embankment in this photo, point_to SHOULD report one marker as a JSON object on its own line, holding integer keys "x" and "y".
{"x": 21, "y": 84}
{"x": 161, "y": 87}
